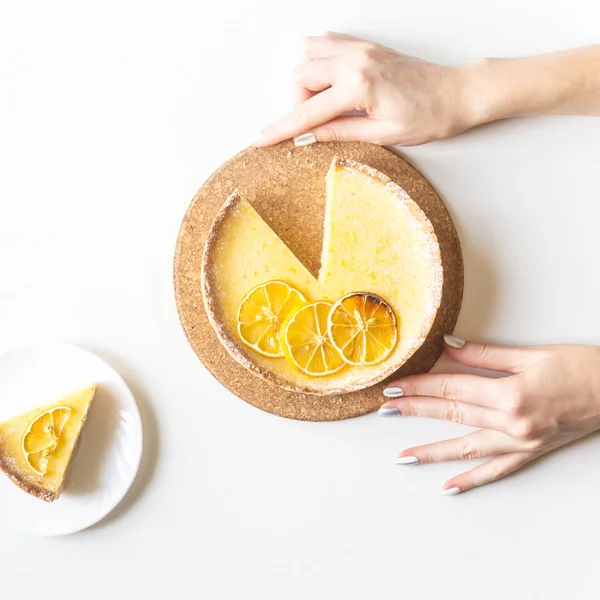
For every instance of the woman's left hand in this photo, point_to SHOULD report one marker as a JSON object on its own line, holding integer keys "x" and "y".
{"x": 405, "y": 100}
{"x": 551, "y": 398}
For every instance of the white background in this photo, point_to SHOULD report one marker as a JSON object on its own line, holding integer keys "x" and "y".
{"x": 112, "y": 114}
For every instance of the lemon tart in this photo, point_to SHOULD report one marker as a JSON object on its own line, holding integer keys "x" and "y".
{"x": 37, "y": 448}
{"x": 377, "y": 244}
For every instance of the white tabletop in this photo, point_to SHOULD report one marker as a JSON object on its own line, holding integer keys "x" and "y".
{"x": 111, "y": 118}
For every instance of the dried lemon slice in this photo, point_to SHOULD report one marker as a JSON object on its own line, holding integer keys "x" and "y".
{"x": 362, "y": 327}
{"x": 305, "y": 342}
{"x": 262, "y": 312}
{"x": 42, "y": 436}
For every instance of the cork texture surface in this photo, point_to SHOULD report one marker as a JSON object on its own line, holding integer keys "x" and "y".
{"x": 286, "y": 185}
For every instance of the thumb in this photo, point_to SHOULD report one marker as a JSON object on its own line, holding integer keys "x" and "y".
{"x": 354, "y": 129}
{"x": 488, "y": 356}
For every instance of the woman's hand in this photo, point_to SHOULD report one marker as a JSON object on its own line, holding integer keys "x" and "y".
{"x": 551, "y": 398}
{"x": 407, "y": 101}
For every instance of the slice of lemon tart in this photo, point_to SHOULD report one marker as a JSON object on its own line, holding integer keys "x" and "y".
{"x": 380, "y": 279}
{"x": 37, "y": 448}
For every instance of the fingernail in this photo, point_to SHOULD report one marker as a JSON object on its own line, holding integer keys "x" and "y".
{"x": 454, "y": 342}
{"x": 407, "y": 460}
{"x": 257, "y": 139}
{"x": 393, "y": 392}
{"x": 451, "y": 492}
{"x": 306, "y": 139}
{"x": 388, "y": 411}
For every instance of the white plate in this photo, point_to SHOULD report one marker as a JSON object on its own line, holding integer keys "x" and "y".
{"x": 110, "y": 451}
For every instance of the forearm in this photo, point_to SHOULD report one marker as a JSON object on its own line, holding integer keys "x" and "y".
{"x": 561, "y": 83}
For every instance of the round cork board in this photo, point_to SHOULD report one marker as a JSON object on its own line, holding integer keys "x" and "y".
{"x": 286, "y": 185}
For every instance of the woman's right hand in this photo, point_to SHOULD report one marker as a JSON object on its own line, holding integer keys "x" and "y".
{"x": 407, "y": 101}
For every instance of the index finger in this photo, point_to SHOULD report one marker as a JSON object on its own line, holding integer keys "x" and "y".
{"x": 315, "y": 111}
{"x": 465, "y": 388}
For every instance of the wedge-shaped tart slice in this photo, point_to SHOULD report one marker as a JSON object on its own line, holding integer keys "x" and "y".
{"x": 37, "y": 448}
{"x": 376, "y": 240}
{"x": 242, "y": 254}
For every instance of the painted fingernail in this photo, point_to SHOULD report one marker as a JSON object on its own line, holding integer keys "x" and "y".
{"x": 388, "y": 411}
{"x": 451, "y": 491}
{"x": 306, "y": 139}
{"x": 393, "y": 392}
{"x": 454, "y": 342}
{"x": 257, "y": 139}
{"x": 407, "y": 460}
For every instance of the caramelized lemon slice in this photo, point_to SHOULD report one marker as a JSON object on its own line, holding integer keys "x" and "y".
{"x": 42, "y": 437}
{"x": 262, "y": 312}
{"x": 362, "y": 327}
{"x": 305, "y": 341}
